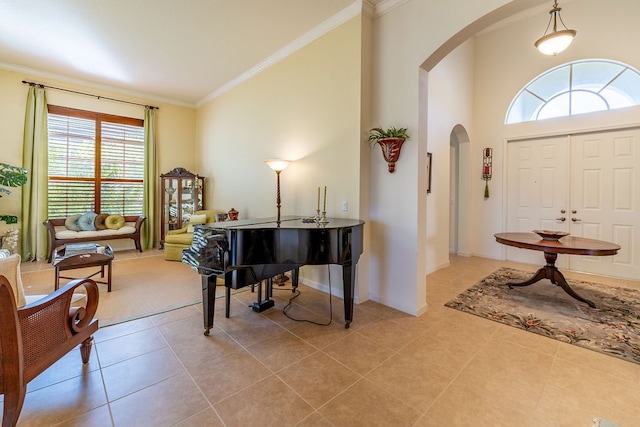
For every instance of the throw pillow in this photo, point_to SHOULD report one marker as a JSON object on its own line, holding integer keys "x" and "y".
{"x": 196, "y": 219}
{"x": 10, "y": 268}
{"x": 99, "y": 221}
{"x": 86, "y": 220}
{"x": 72, "y": 222}
{"x": 114, "y": 222}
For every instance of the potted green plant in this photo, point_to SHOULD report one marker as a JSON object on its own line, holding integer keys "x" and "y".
{"x": 11, "y": 176}
{"x": 390, "y": 141}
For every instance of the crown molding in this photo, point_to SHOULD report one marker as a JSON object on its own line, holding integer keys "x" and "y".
{"x": 65, "y": 79}
{"x": 368, "y": 9}
{"x": 330, "y": 24}
{"x": 387, "y": 6}
{"x": 359, "y": 7}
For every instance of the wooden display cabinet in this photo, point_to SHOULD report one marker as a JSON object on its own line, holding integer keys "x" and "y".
{"x": 182, "y": 195}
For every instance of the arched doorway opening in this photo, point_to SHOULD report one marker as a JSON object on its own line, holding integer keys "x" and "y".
{"x": 459, "y": 197}
{"x": 459, "y": 238}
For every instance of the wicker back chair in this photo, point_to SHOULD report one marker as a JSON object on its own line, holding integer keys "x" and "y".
{"x": 35, "y": 336}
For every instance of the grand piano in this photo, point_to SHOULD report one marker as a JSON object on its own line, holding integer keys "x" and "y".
{"x": 246, "y": 252}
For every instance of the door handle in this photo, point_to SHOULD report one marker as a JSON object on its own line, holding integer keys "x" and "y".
{"x": 574, "y": 219}
{"x": 562, "y": 211}
{"x": 563, "y": 219}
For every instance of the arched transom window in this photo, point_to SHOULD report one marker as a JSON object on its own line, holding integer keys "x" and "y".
{"x": 576, "y": 88}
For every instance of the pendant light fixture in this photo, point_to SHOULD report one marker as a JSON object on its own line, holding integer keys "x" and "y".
{"x": 557, "y": 40}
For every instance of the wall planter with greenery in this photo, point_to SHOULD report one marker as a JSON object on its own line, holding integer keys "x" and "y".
{"x": 11, "y": 176}
{"x": 390, "y": 141}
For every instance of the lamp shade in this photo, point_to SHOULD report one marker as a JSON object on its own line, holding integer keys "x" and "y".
{"x": 277, "y": 165}
{"x": 554, "y": 43}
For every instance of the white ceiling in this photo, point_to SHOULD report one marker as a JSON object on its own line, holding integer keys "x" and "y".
{"x": 179, "y": 51}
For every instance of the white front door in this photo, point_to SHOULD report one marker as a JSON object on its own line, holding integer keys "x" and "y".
{"x": 592, "y": 181}
{"x": 537, "y": 188}
{"x": 605, "y": 199}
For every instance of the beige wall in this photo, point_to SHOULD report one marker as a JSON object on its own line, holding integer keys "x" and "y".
{"x": 305, "y": 108}
{"x": 451, "y": 88}
{"x": 175, "y": 125}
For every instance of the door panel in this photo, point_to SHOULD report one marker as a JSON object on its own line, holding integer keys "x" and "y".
{"x": 536, "y": 191}
{"x": 606, "y": 199}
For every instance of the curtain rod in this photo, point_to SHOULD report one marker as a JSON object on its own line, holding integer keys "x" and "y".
{"x": 89, "y": 94}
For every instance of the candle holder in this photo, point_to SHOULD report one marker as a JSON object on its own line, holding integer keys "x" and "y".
{"x": 323, "y": 219}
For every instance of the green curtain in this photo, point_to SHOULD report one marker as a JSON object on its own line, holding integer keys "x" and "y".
{"x": 35, "y": 194}
{"x": 150, "y": 235}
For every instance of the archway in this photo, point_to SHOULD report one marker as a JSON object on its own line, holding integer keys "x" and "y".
{"x": 459, "y": 194}
{"x": 466, "y": 150}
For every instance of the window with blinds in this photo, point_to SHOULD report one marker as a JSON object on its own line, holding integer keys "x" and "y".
{"x": 96, "y": 163}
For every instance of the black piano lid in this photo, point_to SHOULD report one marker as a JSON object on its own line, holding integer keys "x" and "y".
{"x": 286, "y": 222}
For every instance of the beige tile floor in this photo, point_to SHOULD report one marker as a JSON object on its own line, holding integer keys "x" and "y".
{"x": 444, "y": 368}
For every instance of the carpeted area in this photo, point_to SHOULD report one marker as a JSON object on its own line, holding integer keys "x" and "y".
{"x": 141, "y": 286}
{"x": 612, "y": 328}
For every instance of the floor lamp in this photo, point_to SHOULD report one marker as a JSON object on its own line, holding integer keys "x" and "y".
{"x": 278, "y": 166}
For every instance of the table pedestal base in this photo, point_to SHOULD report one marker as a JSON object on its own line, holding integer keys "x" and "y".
{"x": 551, "y": 272}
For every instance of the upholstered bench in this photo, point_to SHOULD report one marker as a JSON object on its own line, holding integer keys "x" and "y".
{"x": 59, "y": 234}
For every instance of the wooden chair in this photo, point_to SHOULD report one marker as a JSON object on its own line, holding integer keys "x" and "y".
{"x": 35, "y": 336}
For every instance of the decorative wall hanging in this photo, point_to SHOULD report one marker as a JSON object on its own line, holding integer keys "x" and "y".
{"x": 486, "y": 169}
{"x": 429, "y": 158}
{"x": 390, "y": 141}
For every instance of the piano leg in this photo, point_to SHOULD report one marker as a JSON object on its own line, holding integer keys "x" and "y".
{"x": 208, "y": 300}
{"x": 227, "y": 301}
{"x": 295, "y": 275}
{"x": 349, "y": 290}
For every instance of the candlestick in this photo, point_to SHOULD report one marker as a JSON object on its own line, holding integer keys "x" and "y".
{"x": 323, "y": 219}
{"x": 318, "y": 200}
{"x": 324, "y": 207}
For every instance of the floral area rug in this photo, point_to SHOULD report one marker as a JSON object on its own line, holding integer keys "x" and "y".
{"x": 612, "y": 328}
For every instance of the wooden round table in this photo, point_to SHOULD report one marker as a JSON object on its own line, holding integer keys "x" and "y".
{"x": 551, "y": 248}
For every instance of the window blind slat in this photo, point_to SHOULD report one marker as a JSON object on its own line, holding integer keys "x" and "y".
{"x": 74, "y": 149}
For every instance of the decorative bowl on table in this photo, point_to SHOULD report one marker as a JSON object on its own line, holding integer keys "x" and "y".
{"x": 550, "y": 235}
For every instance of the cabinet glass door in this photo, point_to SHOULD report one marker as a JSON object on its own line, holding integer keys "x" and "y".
{"x": 182, "y": 196}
